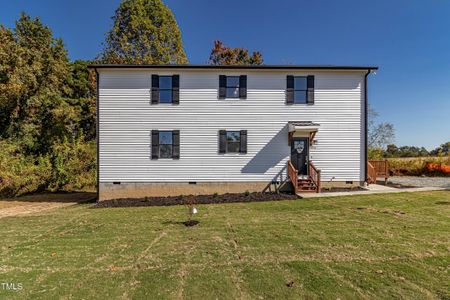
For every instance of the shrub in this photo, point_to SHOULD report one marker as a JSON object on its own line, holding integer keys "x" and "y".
{"x": 21, "y": 174}
{"x": 69, "y": 167}
{"x": 418, "y": 166}
{"x": 74, "y": 166}
{"x": 375, "y": 153}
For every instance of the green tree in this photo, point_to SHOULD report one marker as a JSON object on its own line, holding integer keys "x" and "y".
{"x": 222, "y": 55}
{"x": 33, "y": 72}
{"x": 144, "y": 32}
{"x": 442, "y": 150}
{"x": 11, "y": 85}
{"x": 391, "y": 150}
{"x": 81, "y": 80}
{"x": 47, "y": 113}
{"x": 82, "y": 93}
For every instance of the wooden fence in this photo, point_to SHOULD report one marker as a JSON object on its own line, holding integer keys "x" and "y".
{"x": 376, "y": 169}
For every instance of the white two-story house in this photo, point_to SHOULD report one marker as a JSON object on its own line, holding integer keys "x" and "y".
{"x": 202, "y": 129}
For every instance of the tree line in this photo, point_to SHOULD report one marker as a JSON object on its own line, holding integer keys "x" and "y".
{"x": 393, "y": 151}
{"x": 47, "y": 102}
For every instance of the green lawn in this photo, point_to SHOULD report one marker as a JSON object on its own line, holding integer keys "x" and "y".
{"x": 374, "y": 246}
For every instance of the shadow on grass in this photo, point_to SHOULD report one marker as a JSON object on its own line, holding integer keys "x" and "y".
{"x": 57, "y": 197}
{"x": 185, "y": 223}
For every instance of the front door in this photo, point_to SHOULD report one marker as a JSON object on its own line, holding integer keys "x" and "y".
{"x": 299, "y": 154}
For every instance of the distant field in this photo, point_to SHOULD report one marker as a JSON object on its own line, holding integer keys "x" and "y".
{"x": 423, "y": 158}
{"x": 366, "y": 247}
{"x": 415, "y": 166}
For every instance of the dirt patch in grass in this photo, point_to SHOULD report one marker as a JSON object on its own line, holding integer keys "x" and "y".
{"x": 197, "y": 199}
{"x": 10, "y": 207}
{"x": 443, "y": 202}
{"x": 190, "y": 223}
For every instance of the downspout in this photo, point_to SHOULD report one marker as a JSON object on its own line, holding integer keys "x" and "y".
{"x": 366, "y": 129}
{"x": 97, "y": 131}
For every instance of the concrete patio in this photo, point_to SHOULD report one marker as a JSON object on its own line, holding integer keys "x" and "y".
{"x": 370, "y": 189}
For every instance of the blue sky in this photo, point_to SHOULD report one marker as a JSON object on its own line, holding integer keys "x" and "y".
{"x": 408, "y": 40}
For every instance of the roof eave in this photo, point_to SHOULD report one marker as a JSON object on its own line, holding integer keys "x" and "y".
{"x": 234, "y": 67}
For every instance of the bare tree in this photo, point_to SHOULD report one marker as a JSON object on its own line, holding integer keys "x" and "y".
{"x": 380, "y": 134}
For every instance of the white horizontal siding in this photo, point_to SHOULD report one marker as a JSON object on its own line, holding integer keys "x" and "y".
{"x": 126, "y": 119}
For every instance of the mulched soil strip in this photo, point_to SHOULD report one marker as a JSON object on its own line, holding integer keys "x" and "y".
{"x": 198, "y": 199}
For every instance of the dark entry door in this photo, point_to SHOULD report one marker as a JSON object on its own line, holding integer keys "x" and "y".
{"x": 299, "y": 155}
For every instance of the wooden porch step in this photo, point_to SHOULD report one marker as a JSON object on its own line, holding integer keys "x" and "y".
{"x": 306, "y": 185}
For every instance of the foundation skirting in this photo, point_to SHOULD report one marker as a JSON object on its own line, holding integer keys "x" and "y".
{"x": 108, "y": 191}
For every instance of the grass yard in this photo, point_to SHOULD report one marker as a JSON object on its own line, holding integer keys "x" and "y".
{"x": 371, "y": 246}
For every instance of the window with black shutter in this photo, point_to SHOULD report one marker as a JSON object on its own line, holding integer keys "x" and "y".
{"x": 300, "y": 90}
{"x": 165, "y": 89}
{"x": 233, "y": 141}
{"x": 165, "y": 144}
{"x": 234, "y": 87}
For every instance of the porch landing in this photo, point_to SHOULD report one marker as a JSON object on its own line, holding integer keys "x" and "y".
{"x": 371, "y": 189}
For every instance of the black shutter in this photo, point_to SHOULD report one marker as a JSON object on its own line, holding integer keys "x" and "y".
{"x": 176, "y": 89}
{"x": 155, "y": 144}
{"x": 243, "y": 86}
{"x": 222, "y": 141}
{"x": 222, "y": 86}
{"x": 310, "y": 82}
{"x": 176, "y": 144}
{"x": 243, "y": 141}
{"x": 155, "y": 89}
{"x": 290, "y": 89}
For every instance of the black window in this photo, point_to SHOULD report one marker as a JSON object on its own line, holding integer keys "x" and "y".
{"x": 165, "y": 144}
{"x": 232, "y": 86}
{"x": 165, "y": 89}
{"x": 233, "y": 141}
{"x": 300, "y": 90}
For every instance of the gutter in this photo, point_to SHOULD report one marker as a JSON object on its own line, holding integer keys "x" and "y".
{"x": 97, "y": 131}
{"x": 366, "y": 124}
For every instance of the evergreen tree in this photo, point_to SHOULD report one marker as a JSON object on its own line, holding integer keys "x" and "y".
{"x": 144, "y": 32}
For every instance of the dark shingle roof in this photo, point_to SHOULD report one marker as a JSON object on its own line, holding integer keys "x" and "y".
{"x": 303, "y": 123}
{"x": 255, "y": 67}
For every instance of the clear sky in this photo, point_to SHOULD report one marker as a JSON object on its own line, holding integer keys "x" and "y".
{"x": 409, "y": 40}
